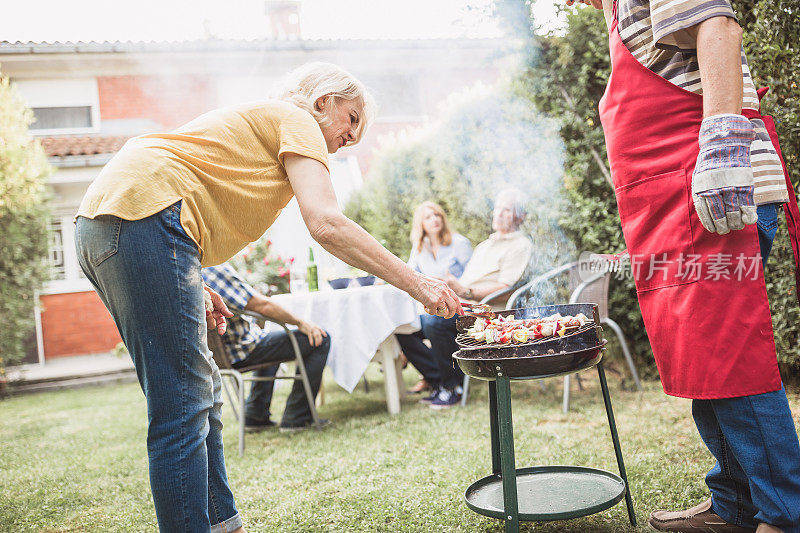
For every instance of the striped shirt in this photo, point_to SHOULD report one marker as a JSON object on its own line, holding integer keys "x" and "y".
{"x": 656, "y": 33}
{"x": 242, "y": 334}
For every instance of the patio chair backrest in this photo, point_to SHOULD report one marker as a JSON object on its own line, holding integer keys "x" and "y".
{"x": 587, "y": 289}
{"x": 595, "y": 291}
{"x": 217, "y": 347}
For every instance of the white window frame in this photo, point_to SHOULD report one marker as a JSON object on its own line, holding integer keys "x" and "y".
{"x": 61, "y": 92}
{"x": 74, "y": 282}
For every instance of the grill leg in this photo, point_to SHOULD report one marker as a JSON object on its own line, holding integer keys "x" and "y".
{"x": 615, "y": 438}
{"x": 493, "y": 427}
{"x": 508, "y": 468}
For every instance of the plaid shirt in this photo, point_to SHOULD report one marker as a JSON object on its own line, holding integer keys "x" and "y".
{"x": 242, "y": 334}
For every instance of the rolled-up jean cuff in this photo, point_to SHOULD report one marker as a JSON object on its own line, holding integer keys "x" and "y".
{"x": 231, "y": 524}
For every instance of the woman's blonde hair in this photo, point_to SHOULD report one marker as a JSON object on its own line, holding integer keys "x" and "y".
{"x": 418, "y": 233}
{"x": 304, "y": 85}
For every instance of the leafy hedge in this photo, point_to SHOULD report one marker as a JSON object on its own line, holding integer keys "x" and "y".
{"x": 23, "y": 223}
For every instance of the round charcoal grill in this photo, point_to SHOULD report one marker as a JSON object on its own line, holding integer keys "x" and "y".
{"x": 547, "y": 357}
{"x": 539, "y": 493}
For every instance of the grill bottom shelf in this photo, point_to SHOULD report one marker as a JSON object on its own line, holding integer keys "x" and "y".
{"x": 549, "y": 493}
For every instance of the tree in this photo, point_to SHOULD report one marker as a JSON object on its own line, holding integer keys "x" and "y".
{"x": 23, "y": 222}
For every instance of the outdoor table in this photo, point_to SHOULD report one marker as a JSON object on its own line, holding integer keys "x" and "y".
{"x": 361, "y": 322}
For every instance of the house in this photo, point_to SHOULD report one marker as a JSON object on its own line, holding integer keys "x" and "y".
{"x": 90, "y": 97}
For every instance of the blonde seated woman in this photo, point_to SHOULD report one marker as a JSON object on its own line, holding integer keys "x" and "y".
{"x": 438, "y": 251}
{"x": 170, "y": 203}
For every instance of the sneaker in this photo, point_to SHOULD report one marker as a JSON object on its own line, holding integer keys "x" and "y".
{"x": 699, "y": 518}
{"x": 251, "y": 425}
{"x": 429, "y": 398}
{"x": 292, "y": 428}
{"x": 445, "y": 399}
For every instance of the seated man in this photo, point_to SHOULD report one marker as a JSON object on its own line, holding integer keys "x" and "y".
{"x": 248, "y": 345}
{"x": 497, "y": 263}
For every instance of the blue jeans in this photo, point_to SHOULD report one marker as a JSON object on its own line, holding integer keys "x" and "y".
{"x": 147, "y": 273}
{"x": 278, "y": 347}
{"x": 757, "y": 474}
{"x": 767, "y": 226}
{"x": 442, "y": 334}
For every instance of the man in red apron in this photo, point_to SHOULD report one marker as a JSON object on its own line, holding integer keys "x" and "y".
{"x": 695, "y": 165}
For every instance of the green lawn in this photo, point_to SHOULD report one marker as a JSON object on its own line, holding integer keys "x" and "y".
{"x": 76, "y": 460}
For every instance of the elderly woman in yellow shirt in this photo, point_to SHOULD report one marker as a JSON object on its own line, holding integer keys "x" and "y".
{"x": 170, "y": 203}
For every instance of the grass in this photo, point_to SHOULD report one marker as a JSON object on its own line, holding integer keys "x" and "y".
{"x": 75, "y": 460}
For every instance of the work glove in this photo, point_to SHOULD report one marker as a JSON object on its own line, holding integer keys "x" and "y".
{"x": 722, "y": 182}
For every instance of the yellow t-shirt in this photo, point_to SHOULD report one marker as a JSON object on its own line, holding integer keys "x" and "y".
{"x": 226, "y": 166}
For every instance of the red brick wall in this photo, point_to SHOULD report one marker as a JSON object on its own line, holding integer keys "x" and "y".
{"x": 76, "y": 324}
{"x": 167, "y": 100}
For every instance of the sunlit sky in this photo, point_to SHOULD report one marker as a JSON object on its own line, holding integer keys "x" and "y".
{"x": 161, "y": 20}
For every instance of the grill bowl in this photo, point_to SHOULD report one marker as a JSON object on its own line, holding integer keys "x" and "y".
{"x": 527, "y": 366}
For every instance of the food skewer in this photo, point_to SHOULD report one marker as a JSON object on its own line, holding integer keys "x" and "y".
{"x": 506, "y": 329}
{"x": 479, "y": 310}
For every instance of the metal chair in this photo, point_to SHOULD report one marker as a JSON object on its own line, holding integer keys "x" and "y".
{"x": 234, "y": 384}
{"x": 592, "y": 288}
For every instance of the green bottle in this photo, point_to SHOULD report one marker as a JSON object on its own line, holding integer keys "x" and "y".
{"x": 313, "y": 280}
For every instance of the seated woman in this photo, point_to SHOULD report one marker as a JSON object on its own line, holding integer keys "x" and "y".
{"x": 439, "y": 252}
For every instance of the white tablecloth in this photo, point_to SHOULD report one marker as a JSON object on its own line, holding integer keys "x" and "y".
{"x": 358, "y": 321}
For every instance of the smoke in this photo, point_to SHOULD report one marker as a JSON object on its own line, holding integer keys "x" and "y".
{"x": 486, "y": 139}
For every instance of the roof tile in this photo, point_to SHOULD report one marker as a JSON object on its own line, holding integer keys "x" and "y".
{"x": 81, "y": 145}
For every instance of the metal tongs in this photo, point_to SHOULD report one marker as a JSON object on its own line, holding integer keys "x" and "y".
{"x": 478, "y": 310}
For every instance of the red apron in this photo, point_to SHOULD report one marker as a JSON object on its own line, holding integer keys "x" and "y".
{"x": 702, "y": 295}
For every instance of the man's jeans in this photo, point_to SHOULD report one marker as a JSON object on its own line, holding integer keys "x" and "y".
{"x": 147, "y": 273}
{"x": 278, "y": 347}
{"x": 757, "y": 474}
{"x": 442, "y": 334}
{"x": 420, "y": 356}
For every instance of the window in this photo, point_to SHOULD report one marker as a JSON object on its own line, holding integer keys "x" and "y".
{"x": 61, "y": 105}
{"x": 58, "y": 271}
{"x": 57, "y": 118}
{"x": 65, "y": 272}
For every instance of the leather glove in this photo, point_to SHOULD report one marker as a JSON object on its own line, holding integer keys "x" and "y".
{"x": 722, "y": 182}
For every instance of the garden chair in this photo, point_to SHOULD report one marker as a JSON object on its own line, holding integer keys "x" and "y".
{"x": 589, "y": 288}
{"x": 236, "y": 378}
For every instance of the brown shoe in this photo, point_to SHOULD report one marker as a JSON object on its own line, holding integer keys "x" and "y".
{"x": 421, "y": 386}
{"x": 695, "y": 520}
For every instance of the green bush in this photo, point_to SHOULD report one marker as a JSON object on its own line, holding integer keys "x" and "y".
{"x": 23, "y": 223}
{"x": 259, "y": 266}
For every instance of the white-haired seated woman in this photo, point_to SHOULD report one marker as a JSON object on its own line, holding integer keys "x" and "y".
{"x": 168, "y": 204}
